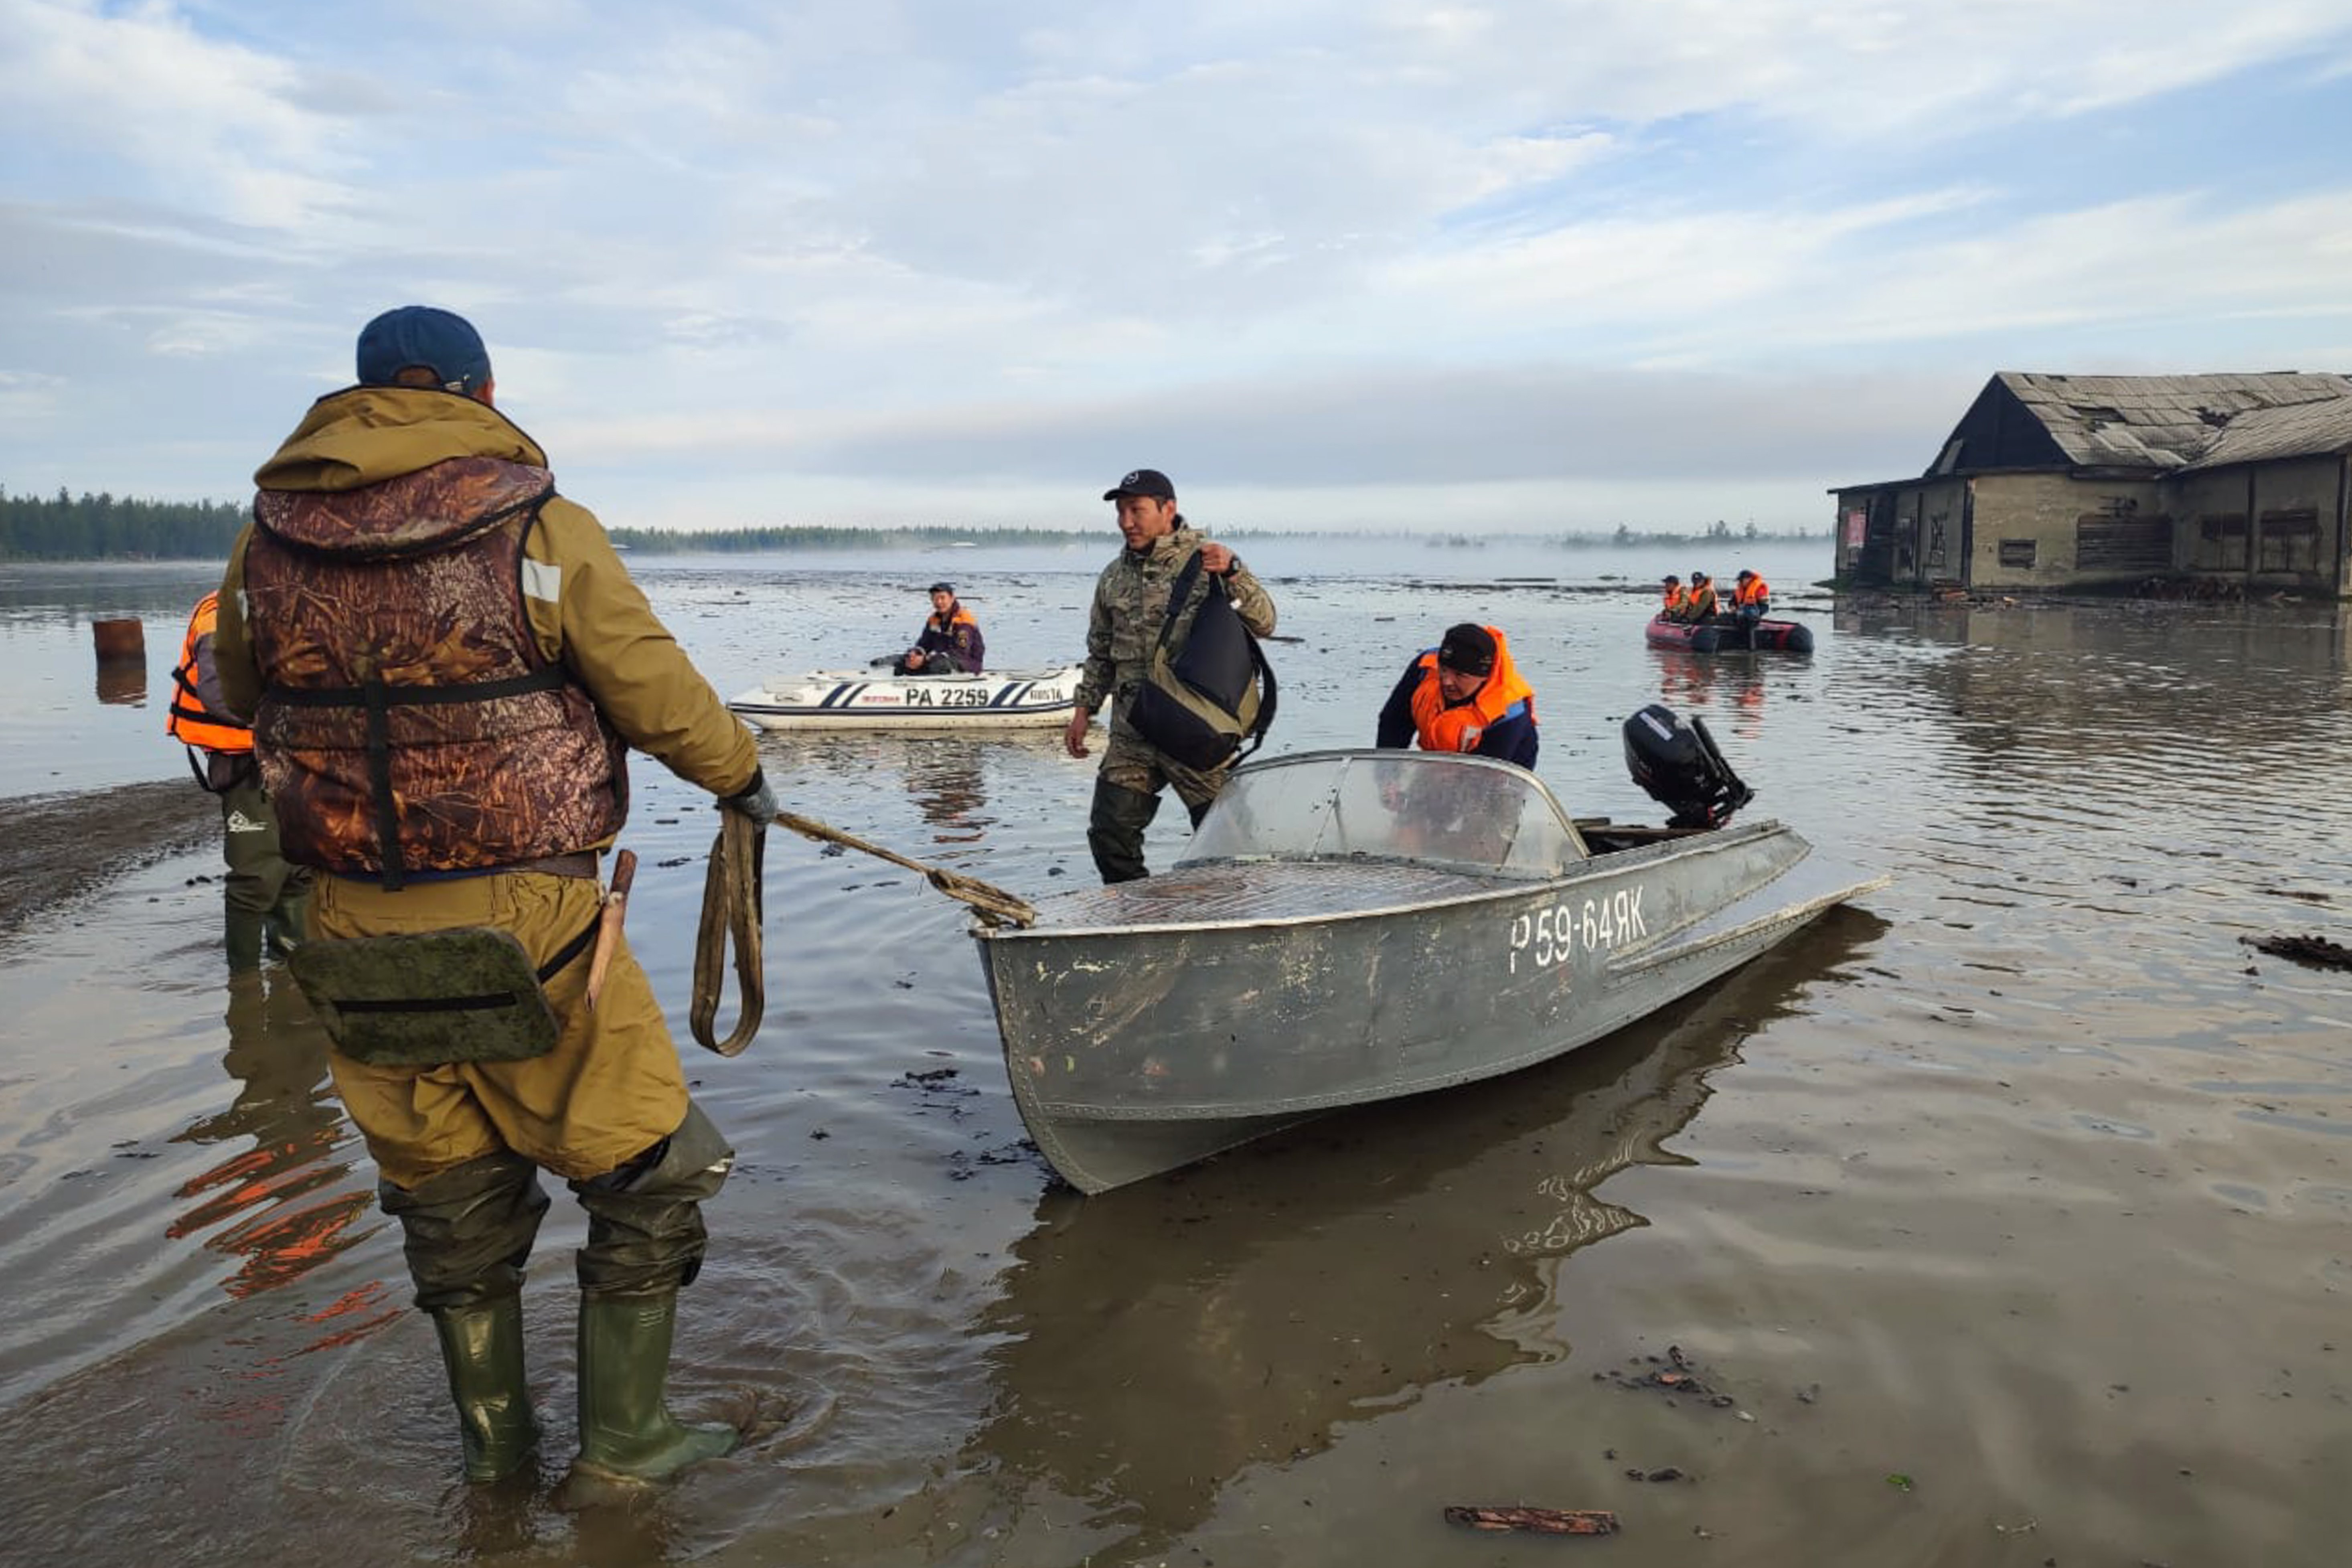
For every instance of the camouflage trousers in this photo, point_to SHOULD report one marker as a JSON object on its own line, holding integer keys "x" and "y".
{"x": 1126, "y": 797}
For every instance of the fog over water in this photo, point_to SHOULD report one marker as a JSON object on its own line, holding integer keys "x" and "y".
{"x": 2008, "y": 1208}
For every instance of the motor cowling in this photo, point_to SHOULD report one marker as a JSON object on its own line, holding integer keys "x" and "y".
{"x": 1677, "y": 764}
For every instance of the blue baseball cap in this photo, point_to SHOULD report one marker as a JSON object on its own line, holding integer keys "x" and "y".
{"x": 440, "y": 342}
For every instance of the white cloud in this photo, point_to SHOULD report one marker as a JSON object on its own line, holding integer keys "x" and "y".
{"x": 831, "y": 247}
{"x": 201, "y": 120}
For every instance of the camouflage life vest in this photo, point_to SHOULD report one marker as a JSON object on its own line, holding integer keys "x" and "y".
{"x": 408, "y": 720}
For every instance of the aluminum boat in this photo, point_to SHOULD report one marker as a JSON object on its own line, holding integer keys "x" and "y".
{"x": 1354, "y": 926}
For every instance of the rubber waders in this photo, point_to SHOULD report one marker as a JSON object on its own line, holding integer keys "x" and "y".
{"x": 482, "y": 1346}
{"x": 627, "y": 1435}
{"x": 243, "y": 941}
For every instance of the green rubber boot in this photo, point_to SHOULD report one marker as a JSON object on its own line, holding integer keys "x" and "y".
{"x": 626, "y": 1432}
{"x": 482, "y": 1347}
{"x": 242, "y": 938}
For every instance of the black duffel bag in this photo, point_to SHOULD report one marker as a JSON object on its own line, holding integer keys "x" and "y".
{"x": 1211, "y": 701}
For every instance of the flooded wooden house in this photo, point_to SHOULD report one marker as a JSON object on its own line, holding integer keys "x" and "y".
{"x": 2107, "y": 481}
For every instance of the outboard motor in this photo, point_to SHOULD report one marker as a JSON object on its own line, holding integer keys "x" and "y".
{"x": 1679, "y": 767}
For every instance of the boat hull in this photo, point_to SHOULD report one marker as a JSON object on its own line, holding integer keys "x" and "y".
{"x": 1728, "y": 636}
{"x": 1148, "y": 1026}
{"x": 863, "y": 699}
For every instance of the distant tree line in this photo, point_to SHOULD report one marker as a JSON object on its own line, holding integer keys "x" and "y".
{"x": 1625, "y": 537}
{"x": 733, "y": 541}
{"x": 105, "y": 527}
{"x": 671, "y": 541}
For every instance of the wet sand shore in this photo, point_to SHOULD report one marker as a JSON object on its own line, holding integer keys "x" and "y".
{"x": 54, "y": 846}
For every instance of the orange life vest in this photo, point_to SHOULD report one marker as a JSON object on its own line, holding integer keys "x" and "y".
{"x": 1677, "y": 599}
{"x": 959, "y": 616}
{"x": 409, "y": 720}
{"x": 1702, "y": 603}
{"x": 189, "y": 720}
{"x": 1440, "y": 728}
{"x": 1752, "y": 591}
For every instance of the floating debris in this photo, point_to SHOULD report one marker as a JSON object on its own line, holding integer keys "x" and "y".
{"x": 2316, "y": 951}
{"x": 1541, "y": 1520}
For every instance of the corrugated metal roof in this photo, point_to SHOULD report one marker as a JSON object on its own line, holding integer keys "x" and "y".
{"x": 2159, "y": 422}
{"x": 2300, "y": 430}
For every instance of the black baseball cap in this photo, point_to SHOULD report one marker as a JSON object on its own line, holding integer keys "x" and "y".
{"x": 1142, "y": 482}
{"x": 420, "y": 336}
{"x": 1468, "y": 648}
{"x": 947, "y": 588}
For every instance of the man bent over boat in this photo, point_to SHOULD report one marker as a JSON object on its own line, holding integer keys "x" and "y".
{"x": 446, "y": 664}
{"x": 1464, "y": 695}
{"x": 1130, "y": 603}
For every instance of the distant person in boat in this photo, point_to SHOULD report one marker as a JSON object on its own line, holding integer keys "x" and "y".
{"x": 1464, "y": 695}
{"x": 1702, "y": 605}
{"x": 1752, "y": 599}
{"x": 454, "y": 789}
{"x": 1130, "y": 603}
{"x": 1676, "y": 600}
{"x": 950, "y": 643}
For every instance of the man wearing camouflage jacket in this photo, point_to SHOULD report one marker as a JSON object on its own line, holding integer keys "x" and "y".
{"x": 1130, "y": 605}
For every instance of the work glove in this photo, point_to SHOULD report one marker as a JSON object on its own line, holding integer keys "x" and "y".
{"x": 755, "y": 800}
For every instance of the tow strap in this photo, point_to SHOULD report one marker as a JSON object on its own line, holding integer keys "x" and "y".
{"x": 732, "y": 910}
{"x": 730, "y": 907}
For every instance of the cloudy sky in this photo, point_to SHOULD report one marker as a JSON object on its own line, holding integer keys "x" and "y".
{"x": 1529, "y": 265}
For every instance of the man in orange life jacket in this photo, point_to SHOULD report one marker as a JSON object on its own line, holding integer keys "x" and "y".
{"x": 1464, "y": 695}
{"x": 950, "y": 643}
{"x": 447, "y": 665}
{"x": 262, "y": 896}
{"x": 1675, "y": 602}
{"x": 1702, "y": 605}
{"x": 1751, "y": 598}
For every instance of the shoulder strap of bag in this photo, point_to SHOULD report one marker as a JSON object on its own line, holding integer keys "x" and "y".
{"x": 1178, "y": 593}
{"x": 1268, "y": 692}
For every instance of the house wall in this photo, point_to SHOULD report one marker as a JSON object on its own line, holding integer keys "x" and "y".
{"x": 2269, "y": 525}
{"x": 1913, "y": 536}
{"x": 2053, "y": 530}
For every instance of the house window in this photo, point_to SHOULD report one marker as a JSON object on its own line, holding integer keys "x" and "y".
{"x": 2114, "y": 541}
{"x": 2017, "y": 553}
{"x": 2291, "y": 541}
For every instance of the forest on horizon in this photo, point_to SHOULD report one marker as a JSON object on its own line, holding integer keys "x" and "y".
{"x": 105, "y": 527}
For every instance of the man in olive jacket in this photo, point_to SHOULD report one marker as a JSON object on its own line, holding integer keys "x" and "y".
{"x": 1130, "y": 605}
{"x": 446, "y": 665}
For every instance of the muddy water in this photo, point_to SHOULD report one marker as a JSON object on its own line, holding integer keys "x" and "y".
{"x": 2001, "y": 1219}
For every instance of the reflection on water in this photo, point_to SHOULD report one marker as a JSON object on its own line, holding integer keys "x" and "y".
{"x": 1250, "y": 1308}
{"x": 281, "y": 1201}
{"x": 945, "y": 779}
{"x": 121, "y": 683}
{"x": 1726, "y": 689}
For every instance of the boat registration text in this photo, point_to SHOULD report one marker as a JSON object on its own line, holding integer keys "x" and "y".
{"x": 1553, "y": 935}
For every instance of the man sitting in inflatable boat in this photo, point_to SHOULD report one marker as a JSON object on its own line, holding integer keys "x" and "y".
{"x": 950, "y": 643}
